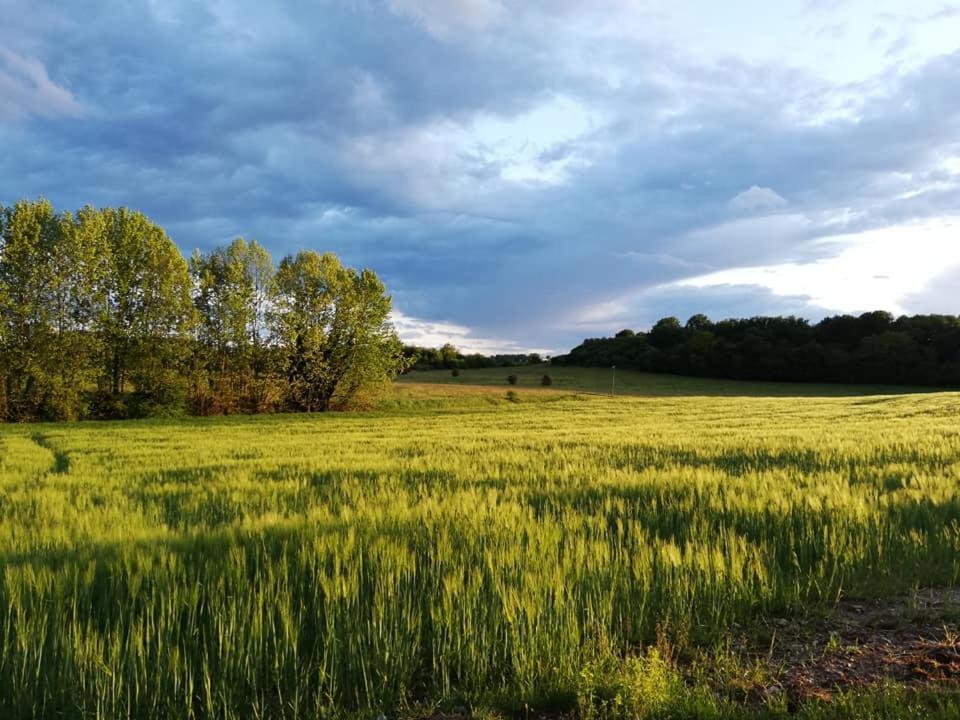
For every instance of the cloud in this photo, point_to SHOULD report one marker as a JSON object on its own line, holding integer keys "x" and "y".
{"x": 27, "y": 90}
{"x": 930, "y": 298}
{"x": 441, "y": 17}
{"x": 890, "y": 269}
{"x": 524, "y": 170}
{"x": 757, "y": 198}
{"x": 432, "y": 333}
{"x": 642, "y": 310}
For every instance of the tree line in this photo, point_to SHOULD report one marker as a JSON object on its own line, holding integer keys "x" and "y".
{"x": 873, "y": 348}
{"x": 101, "y": 316}
{"x": 448, "y": 357}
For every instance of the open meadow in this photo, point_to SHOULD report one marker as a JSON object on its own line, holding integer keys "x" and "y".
{"x": 457, "y": 553}
{"x": 601, "y": 381}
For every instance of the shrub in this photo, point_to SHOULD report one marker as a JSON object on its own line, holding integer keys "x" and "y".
{"x": 513, "y": 396}
{"x": 512, "y": 379}
{"x": 546, "y": 381}
{"x": 455, "y": 372}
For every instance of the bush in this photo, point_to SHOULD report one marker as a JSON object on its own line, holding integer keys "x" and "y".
{"x": 546, "y": 381}
{"x": 512, "y": 379}
{"x": 455, "y": 372}
{"x": 612, "y": 688}
{"x": 104, "y": 405}
{"x": 513, "y": 396}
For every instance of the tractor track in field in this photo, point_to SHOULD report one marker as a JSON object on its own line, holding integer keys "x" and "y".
{"x": 61, "y": 460}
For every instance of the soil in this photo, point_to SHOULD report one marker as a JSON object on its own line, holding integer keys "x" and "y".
{"x": 913, "y": 641}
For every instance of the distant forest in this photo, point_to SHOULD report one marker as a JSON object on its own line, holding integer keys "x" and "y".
{"x": 102, "y": 317}
{"x": 449, "y": 357}
{"x": 871, "y": 348}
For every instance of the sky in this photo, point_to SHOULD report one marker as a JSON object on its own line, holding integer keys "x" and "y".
{"x": 521, "y": 173}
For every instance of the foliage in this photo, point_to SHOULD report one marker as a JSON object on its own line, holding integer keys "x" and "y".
{"x": 872, "y": 348}
{"x": 333, "y": 325}
{"x": 546, "y": 381}
{"x": 473, "y": 553}
{"x": 101, "y": 317}
{"x": 98, "y": 302}
{"x": 233, "y": 291}
{"x": 512, "y": 379}
{"x": 449, "y": 358}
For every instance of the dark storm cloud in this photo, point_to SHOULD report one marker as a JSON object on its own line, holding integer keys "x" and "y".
{"x": 359, "y": 127}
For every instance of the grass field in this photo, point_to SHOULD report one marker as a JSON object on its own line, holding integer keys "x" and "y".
{"x": 458, "y": 553}
{"x": 629, "y": 382}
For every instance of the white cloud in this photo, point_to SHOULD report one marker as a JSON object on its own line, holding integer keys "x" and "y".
{"x": 601, "y": 314}
{"x": 431, "y": 333}
{"x": 758, "y": 198}
{"x": 938, "y": 295}
{"x": 749, "y": 240}
{"x": 877, "y": 269}
{"x": 27, "y": 90}
{"x": 446, "y": 163}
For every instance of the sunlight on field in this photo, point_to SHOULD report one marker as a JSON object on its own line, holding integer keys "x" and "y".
{"x": 455, "y": 545}
{"x": 603, "y": 381}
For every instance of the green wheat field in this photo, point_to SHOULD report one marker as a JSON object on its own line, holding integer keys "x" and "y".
{"x": 458, "y": 552}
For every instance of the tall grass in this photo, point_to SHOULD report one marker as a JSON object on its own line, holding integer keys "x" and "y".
{"x": 305, "y": 566}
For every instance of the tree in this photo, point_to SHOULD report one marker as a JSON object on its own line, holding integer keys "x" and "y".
{"x": 699, "y": 322}
{"x": 666, "y": 333}
{"x": 147, "y": 314}
{"x": 27, "y": 243}
{"x": 333, "y": 326}
{"x": 232, "y": 291}
{"x": 450, "y": 356}
{"x": 80, "y": 271}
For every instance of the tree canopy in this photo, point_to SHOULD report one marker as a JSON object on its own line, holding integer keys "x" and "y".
{"x": 101, "y": 316}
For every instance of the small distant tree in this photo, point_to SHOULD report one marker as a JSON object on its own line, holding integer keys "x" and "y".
{"x": 666, "y": 333}
{"x": 699, "y": 322}
{"x": 455, "y": 372}
{"x": 546, "y": 381}
{"x": 449, "y": 355}
{"x": 512, "y": 379}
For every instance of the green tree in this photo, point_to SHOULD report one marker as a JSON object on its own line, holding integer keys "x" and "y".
{"x": 147, "y": 314}
{"x": 28, "y": 242}
{"x": 333, "y": 326}
{"x": 232, "y": 293}
{"x": 80, "y": 275}
{"x": 450, "y": 356}
{"x": 666, "y": 333}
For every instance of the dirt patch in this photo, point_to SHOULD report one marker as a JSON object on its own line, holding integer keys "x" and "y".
{"x": 914, "y": 641}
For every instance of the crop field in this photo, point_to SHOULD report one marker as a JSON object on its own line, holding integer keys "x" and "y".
{"x": 455, "y": 553}
{"x": 629, "y": 382}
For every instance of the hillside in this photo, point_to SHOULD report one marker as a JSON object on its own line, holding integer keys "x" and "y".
{"x": 630, "y": 382}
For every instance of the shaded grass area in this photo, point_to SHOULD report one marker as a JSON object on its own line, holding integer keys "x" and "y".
{"x": 629, "y": 382}
{"x": 458, "y": 553}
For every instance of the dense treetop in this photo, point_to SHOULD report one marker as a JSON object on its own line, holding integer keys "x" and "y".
{"x": 873, "y": 347}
